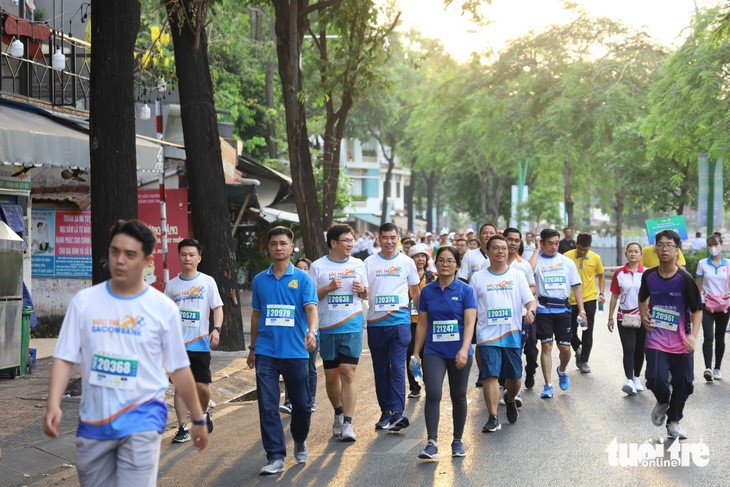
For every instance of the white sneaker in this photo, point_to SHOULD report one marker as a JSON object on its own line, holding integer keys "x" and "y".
{"x": 708, "y": 375}
{"x": 272, "y": 468}
{"x": 716, "y": 374}
{"x": 676, "y": 431}
{"x": 347, "y": 434}
{"x": 637, "y": 384}
{"x": 337, "y": 424}
{"x": 629, "y": 387}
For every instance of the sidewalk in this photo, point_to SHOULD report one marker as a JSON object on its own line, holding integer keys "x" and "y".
{"x": 28, "y": 457}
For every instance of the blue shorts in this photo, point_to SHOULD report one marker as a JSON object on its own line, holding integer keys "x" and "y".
{"x": 340, "y": 348}
{"x": 501, "y": 362}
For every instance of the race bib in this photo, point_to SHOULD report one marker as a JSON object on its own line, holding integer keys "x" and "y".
{"x": 112, "y": 371}
{"x": 554, "y": 282}
{"x": 190, "y": 318}
{"x": 446, "y": 331}
{"x": 414, "y": 311}
{"x": 387, "y": 302}
{"x": 279, "y": 315}
{"x": 499, "y": 316}
{"x": 340, "y": 302}
{"x": 665, "y": 318}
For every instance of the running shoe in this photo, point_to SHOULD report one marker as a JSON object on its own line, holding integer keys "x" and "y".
{"x": 716, "y": 374}
{"x": 347, "y": 433}
{"x": 384, "y": 421}
{"x": 708, "y": 375}
{"x": 547, "y": 391}
{"x": 457, "y": 449}
{"x": 273, "y": 467}
{"x": 337, "y": 424}
{"x": 430, "y": 451}
{"x": 577, "y": 357}
{"x": 301, "y": 452}
{"x": 478, "y": 384}
{"x": 182, "y": 435}
{"x": 314, "y": 408}
{"x": 563, "y": 379}
{"x": 209, "y": 422}
{"x": 518, "y": 399}
{"x": 584, "y": 368}
{"x": 530, "y": 381}
{"x": 397, "y": 422}
{"x": 637, "y": 384}
{"x": 674, "y": 430}
{"x": 512, "y": 412}
{"x": 414, "y": 393}
{"x": 659, "y": 413}
{"x": 492, "y": 425}
{"x": 285, "y": 408}
{"x": 629, "y": 387}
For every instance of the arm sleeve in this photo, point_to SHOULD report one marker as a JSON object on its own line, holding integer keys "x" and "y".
{"x": 692, "y": 293}
{"x": 309, "y": 291}
{"x": 413, "y": 278}
{"x": 174, "y": 355}
{"x": 525, "y": 293}
{"x": 644, "y": 289}
{"x": 464, "y": 269}
{"x": 470, "y": 299}
{"x": 599, "y": 265}
{"x": 255, "y": 301}
{"x": 573, "y": 275}
{"x": 700, "y": 269}
{"x": 215, "y": 296}
{"x": 615, "y": 289}
{"x": 68, "y": 347}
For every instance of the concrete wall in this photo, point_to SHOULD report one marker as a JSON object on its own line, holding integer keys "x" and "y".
{"x": 50, "y": 299}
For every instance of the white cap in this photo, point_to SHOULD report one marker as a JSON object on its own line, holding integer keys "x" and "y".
{"x": 428, "y": 234}
{"x": 469, "y": 230}
{"x": 444, "y": 232}
{"x": 418, "y": 249}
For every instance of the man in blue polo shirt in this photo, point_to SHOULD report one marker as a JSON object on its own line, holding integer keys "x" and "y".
{"x": 284, "y": 327}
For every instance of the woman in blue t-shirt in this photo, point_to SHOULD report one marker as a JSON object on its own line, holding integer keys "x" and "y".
{"x": 446, "y": 320}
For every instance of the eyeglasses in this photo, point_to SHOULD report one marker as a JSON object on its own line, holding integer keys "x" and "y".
{"x": 446, "y": 261}
{"x": 665, "y": 246}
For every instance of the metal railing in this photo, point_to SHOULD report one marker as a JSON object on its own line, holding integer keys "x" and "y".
{"x": 32, "y": 77}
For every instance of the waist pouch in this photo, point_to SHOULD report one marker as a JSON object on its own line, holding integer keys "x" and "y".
{"x": 549, "y": 302}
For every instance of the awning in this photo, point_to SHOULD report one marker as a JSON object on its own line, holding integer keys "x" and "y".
{"x": 272, "y": 214}
{"x": 367, "y": 218}
{"x": 31, "y": 136}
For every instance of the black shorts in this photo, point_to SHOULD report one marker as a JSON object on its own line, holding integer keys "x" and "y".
{"x": 558, "y": 325}
{"x": 200, "y": 365}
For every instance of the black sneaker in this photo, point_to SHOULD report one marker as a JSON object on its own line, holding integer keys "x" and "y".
{"x": 398, "y": 422}
{"x": 415, "y": 393}
{"x": 182, "y": 435}
{"x": 530, "y": 381}
{"x": 492, "y": 425}
{"x": 209, "y": 422}
{"x": 512, "y": 412}
{"x": 478, "y": 384}
{"x": 383, "y": 422}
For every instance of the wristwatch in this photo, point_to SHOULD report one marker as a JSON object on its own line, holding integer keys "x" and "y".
{"x": 200, "y": 422}
{"x": 314, "y": 332}
{"x": 217, "y": 328}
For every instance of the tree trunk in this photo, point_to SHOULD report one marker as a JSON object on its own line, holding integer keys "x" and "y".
{"x": 206, "y": 191}
{"x": 619, "y": 226}
{"x": 290, "y": 25}
{"x": 270, "y": 68}
{"x": 483, "y": 197}
{"x": 568, "y": 198}
{"x": 430, "y": 196}
{"x": 112, "y": 142}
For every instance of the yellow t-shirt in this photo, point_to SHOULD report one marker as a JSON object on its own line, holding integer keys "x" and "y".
{"x": 588, "y": 268}
{"x": 650, "y": 259}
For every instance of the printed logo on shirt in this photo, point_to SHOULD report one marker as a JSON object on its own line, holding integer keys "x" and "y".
{"x": 501, "y": 286}
{"x": 552, "y": 267}
{"x": 393, "y": 271}
{"x": 348, "y": 274}
{"x": 294, "y": 284}
{"x": 129, "y": 325}
{"x": 195, "y": 292}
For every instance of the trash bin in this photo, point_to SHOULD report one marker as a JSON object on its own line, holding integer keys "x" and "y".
{"x": 25, "y": 340}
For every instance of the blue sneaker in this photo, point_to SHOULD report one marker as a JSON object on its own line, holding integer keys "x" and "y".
{"x": 457, "y": 449}
{"x": 547, "y": 391}
{"x": 384, "y": 421}
{"x": 563, "y": 379}
{"x": 431, "y": 451}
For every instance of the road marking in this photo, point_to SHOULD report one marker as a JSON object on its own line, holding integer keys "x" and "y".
{"x": 404, "y": 446}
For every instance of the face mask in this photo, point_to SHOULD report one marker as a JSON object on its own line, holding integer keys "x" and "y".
{"x": 715, "y": 251}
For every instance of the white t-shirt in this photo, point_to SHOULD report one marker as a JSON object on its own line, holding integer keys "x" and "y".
{"x": 523, "y": 265}
{"x": 555, "y": 277}
{"x": 340, "y": 311}
{"x": 123, "y": 345}
{"x": 195, "y": 297}
{"x": 474, "y": 261}
{"x": 388, "y": 281}
{"x": 500, "y": 299}
{"x": 528, "y": 250}
{"x": 714, "y": 279}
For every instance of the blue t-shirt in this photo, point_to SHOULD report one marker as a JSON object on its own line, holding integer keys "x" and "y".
{"x": 445, "y": 308}
{"x": 283, "y": 321}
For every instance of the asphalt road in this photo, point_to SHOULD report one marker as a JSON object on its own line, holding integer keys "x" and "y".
{"x": 563, "y": 441}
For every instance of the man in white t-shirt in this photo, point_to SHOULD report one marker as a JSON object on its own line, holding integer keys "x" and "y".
{"x": 341, "y": 283}
{"x": 124, "y": 335}
{"x": 392, "y": 279}
{"x": 476, "y": 259}
{"x": 196, "y": 294}
{"x": 502, "y": 292}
